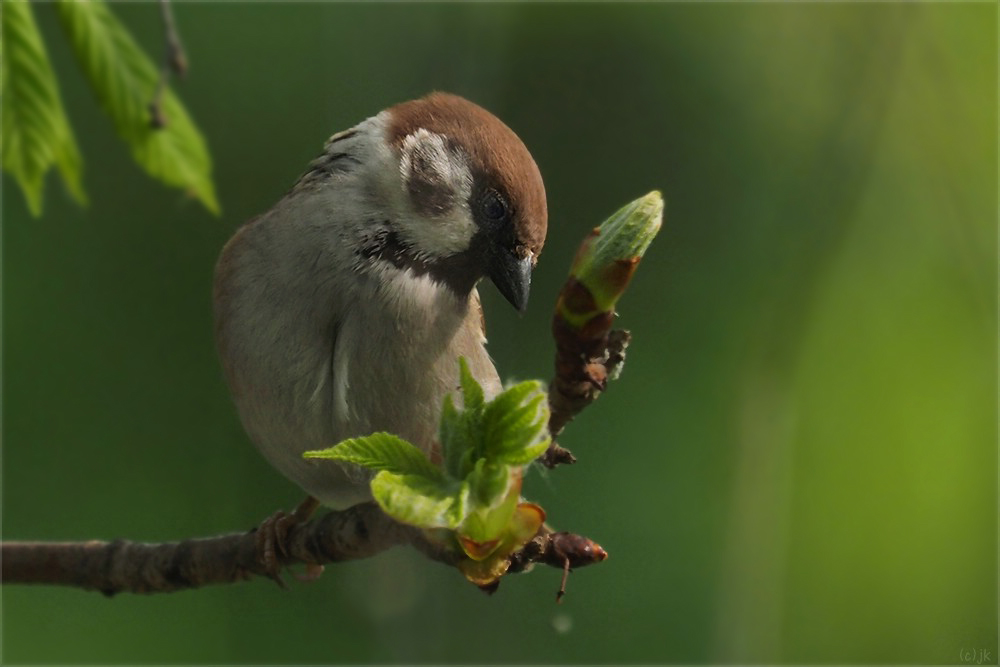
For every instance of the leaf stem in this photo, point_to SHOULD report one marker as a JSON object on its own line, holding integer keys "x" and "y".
{"x": 174, "y": 61}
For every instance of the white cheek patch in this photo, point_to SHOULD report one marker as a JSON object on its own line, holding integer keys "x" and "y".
{"x": 437, "y": 183}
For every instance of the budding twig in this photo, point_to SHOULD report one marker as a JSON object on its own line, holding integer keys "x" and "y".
{"x": 362, "y": 531}
{"x": 588, "y": 351}
{"x": 560, "y": 550}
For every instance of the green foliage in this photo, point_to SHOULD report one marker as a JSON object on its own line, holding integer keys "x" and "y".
{"x": 35, "y": 133}
{"x": 490, "y": 480}
{"x": 408, "y": 486}
{"x": 485, "y": 522}
{"x": 381, "y": 451}
{"x": 515, "y": 424}
{"x": 472, "y": 393}
{"x": 510, "y": 429}
{"x": 483, "y": 446}
{"x": 125, "y": 81}
{"x": 429, "y": 502}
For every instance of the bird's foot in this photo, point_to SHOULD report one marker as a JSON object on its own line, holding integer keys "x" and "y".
{"x": 272, "y": 541}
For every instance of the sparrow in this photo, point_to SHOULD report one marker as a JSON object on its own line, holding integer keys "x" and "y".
{"x": 343, "y": 310}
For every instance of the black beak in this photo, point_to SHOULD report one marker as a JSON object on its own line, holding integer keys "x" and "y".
{"x": 512, "y": 276}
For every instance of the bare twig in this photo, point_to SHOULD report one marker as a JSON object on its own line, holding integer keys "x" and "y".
{"x": 175, "y": 57}
{"x": 174, "y": 61}
{"x": 122, "y": 565}
{"x": 359, "y": 532}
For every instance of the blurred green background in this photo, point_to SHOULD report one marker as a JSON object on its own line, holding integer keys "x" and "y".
{"x": 799, "y": 463}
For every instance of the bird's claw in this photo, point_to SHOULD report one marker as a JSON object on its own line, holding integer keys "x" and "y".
{"x": 272, "y": 542}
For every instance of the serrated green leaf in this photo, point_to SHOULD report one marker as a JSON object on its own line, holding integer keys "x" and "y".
{"x": 34, "y": 132}
{"x": 510, "y": 399}
{"x": 489, "y": 482}
{"x": 453, "y": 434}
{"x": 524, "y": 423}
{"x": 381, "y": 451}
{"x": 417, "y": 500}
{"x": 468, "y": 461}
{"x": 472, "y": 393}
{"x": 484, "y": 438}
{"x": 525, "y": 455}
{"x": 459, "y": 510}
{"x": 125, "y": 80}
{"x": 515, "y": 421}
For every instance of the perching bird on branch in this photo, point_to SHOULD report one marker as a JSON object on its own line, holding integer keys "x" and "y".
{"x": 343, "y": 310}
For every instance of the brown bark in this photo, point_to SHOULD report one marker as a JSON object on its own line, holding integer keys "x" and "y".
{"x": 122, "y": 566}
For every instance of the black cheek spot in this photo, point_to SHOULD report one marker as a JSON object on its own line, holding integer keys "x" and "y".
{"x": 431, "y": 198}
{"x": 428, "y": 188}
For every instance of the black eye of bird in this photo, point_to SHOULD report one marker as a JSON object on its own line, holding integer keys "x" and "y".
{"x": 494, "y": 206}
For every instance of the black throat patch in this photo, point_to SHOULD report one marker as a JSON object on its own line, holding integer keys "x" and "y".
{"x": 459, "y": 272}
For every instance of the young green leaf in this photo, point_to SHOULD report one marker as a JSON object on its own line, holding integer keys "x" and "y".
{"x": 509, "y": 400}
{"x": 381, "y": 451}
{"x": 34, "y": 131}
{"x": 458, "y": 437}
{"x": 485, "y": 524}
{"x": 472, "y": 393}
{"x": 459, "y": 510}
{"x": 523, "y": 424}
{"x": 514, "y": 421}
{"x": 489, "y": 482}
{"x": 525, "y": 454}
{"x": 418, "y": 500}
{"x": 125, "y": 82}
{"x": 449, "y": 436}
